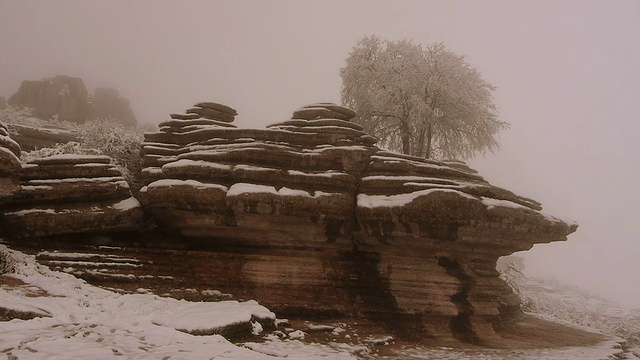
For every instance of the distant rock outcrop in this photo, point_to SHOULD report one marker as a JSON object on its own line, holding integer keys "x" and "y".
{"x": 71, "y": 194}
{"x": 110, "y": 105}
{"x": 64, "y": 96}
{"x": 309, "y": 216}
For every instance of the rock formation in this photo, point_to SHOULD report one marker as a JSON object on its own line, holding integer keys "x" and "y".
{"x": 64, "y": 96}
{"x": 71, "y": 194}
{"x": 309, "y": 216}
{"x": 32, "y": 138}
{"x": 9, "y": 165}
{"x": 110, "y": 105}
{"x": 9, "y": 168}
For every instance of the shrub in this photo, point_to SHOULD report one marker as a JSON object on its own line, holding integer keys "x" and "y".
{"x": 118, "y": 142}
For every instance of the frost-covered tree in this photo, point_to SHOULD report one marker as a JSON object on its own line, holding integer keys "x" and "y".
{"x": 425, "y": 102}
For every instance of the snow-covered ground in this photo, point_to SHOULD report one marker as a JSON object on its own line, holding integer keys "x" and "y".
{"x": 80, "y": 321}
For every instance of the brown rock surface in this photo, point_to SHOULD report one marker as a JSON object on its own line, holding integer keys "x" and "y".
{"x": 311, "y": 207}
{"x": 71, "y": 194}
{"x": 64, "y": 96}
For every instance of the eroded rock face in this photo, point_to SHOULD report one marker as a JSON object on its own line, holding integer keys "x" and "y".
{"x": 64, "y": 96}
{"x": 71, "y": 194}
{"x": 309, "y": 215}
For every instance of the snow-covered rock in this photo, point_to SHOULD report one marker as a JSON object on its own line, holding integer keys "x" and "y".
{"x": 310, "y": 207}
{"x": 71, "y": 194}
{"x": 9, "y": 165}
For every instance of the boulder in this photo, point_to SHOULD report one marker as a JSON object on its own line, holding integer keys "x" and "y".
{"x": 311, "y": 207}
{"x": 71, "y": 194}
{"x": 110, "y": 105}
{"x": 64, "y": 96}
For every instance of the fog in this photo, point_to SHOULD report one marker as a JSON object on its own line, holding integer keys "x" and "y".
{"x": 567, "y": 76}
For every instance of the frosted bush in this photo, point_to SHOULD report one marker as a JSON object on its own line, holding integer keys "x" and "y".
{"x": 67, "y": 148}
{"x": 120, "y": 143}
{"x": 553, "y": 299}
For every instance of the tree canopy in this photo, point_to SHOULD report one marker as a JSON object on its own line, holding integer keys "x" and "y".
{"x": 427, "y": 102}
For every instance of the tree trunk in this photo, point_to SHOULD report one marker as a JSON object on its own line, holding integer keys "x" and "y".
{"x": 421, "y": 140}
{"x": 429, "y": 136}
{"x": 405, "y": 136}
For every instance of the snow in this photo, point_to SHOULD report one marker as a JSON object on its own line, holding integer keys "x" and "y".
{"x": 253, "y": 168}
{"x": 246, "y": 188}
{"x": 31, "y": 211}
{"x": 75, "y": 157}
{"x": 399, "y": 200}
{"x": 493, "y": 203}
{"x": 126, "y": 204}
{"x": 323, "y": 174}
{"x": 605, "y": 350}
{"x": 90, "y": 323}
{"x": 28, "y": 188}
{"x": 212, "y": 317}
{"x": 176, "y": 182}
{"x": 92, "y": 263}
{"x": 116, "y": 179}
{"x": 10, "y": 154}
{"x": 195, "y": 163}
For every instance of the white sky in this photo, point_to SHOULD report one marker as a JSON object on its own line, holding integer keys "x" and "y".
{"x": 567, "y": 74}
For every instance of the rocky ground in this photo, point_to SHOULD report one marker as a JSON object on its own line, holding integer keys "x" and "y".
{"x": 57, "y": 315}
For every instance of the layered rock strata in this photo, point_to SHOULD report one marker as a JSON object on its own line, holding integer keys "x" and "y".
{"x": 71, "y": 194}
{"x": 311, "y": 207}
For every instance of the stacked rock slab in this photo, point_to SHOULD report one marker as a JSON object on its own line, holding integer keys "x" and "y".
{"x": 216, "y": 180}
{"x": 9, "y": 168}
{"x": 9, "y": 165}
{"x": 309, "y": 216}
{"x": 32, "y": 138}
{"x": 71, "y": 194}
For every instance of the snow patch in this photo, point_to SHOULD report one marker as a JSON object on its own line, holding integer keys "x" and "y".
{"x": 399, "y": 200}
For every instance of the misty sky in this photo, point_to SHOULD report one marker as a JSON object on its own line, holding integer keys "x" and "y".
{"x": 567, "y": 76}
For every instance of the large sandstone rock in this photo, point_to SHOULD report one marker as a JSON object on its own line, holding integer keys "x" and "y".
{"x": 71, "y": 194}
{"x": 64, "y": 96}
{"x": 308, "y": 216}
{"x": 110, "y": 105}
